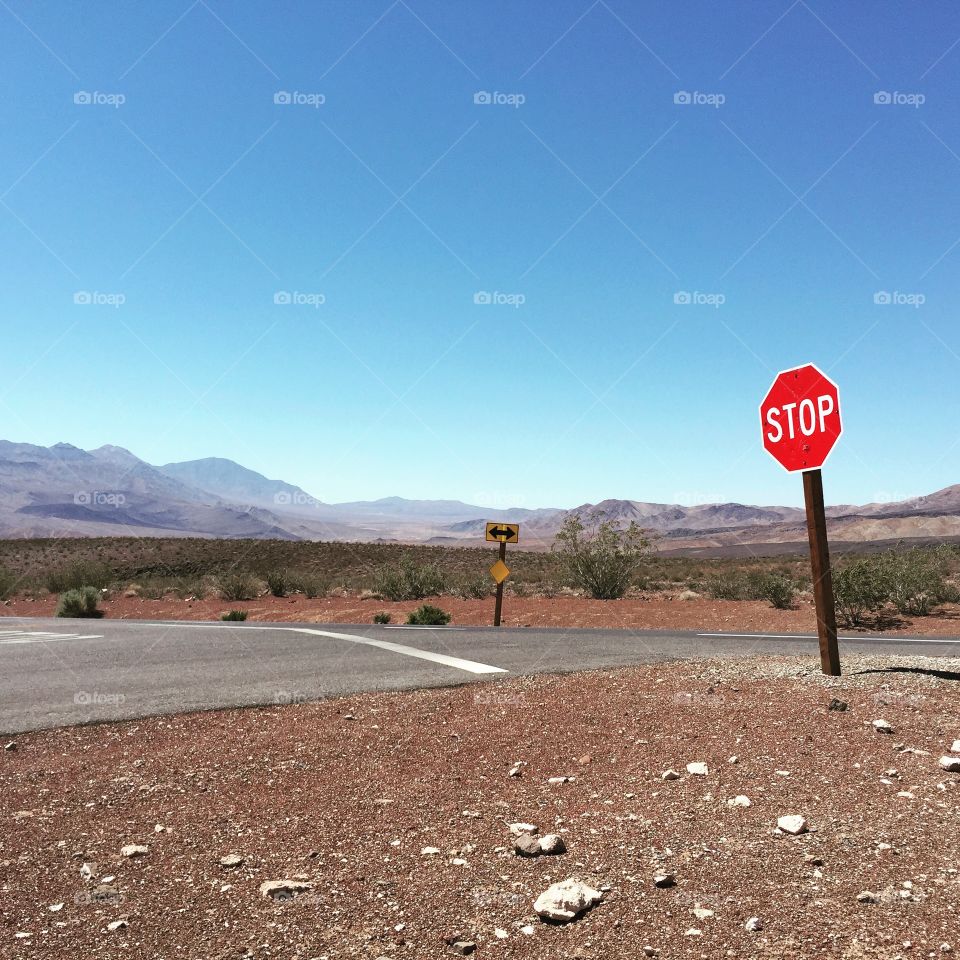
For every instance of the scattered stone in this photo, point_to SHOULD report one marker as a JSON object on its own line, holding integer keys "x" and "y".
{"x": 55, "y": 907}
{"x": 739, "y": 801}
{"x": 687, "y": 595}
{"x": 753, "y": 925}
{"x": 670, "y": 775}
{"x": 881, "y": 726}
{"x": 516, "y": 770}
{"x": 733, "y": 759}
{"x": 518, "y": 829}
{"x": 459, "y": 862}
{"x": 953, "y": 749}
{"x": 430, "y": 852}
{"x": 117, "y": 925}
{"x": 702, "y": 913}
{"x": 816, "y": 861}
{"x": 527, "y": 930}
{"x": 693, "y": 932}
{"x": 86, "y": 871}
{"x": 463, "y": 947}
{"x": 839, "y": 705}
{"x": 552, "y": 844}
{"x": 134, "y": 850}
{"x": 556, "y": 780}
{"x": 950, "y": 764}
{"x": 527, "y": 846}
{"x": 231, "y": 860}
{"x": 664, "y": 880}
{"x": 867, "y": 896}
{"x": 793, "y": 824}
{"x": 283, "y": 889}
{"x": 500, "y": 933}
{"x": 565, "y": 901}
{"x": 10, "y": 746}
{"x": 649, "y": 951}
{"x": 698, "y": 769}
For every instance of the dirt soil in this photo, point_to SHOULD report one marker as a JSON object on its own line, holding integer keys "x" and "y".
{"x": 344, "y": 796}
{"x": 652, "y": 612}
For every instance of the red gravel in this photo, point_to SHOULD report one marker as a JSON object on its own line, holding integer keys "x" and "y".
{"x": 345, "y": 794}
{"x": 653, "y": 612}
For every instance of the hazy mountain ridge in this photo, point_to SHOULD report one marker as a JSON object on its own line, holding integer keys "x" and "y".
{"x": 65, "y": 491}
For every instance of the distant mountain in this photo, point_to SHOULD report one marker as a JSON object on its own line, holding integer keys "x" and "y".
{"x": 63, "y": 491}
{"x": 230, "y": 481}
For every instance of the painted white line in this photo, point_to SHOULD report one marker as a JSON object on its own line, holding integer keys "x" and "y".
{"x": 469, "y": 665}
{"x": 813, "y": 636}
{"x": 46, "y": 637}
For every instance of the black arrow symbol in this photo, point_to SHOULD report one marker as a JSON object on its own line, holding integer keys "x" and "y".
{"x": 501, "y": 532}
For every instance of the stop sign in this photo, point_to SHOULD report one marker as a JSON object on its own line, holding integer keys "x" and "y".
{"x": 800, "y": 418}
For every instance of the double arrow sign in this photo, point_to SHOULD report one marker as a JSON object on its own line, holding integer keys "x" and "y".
{"x": 502, "y": 533}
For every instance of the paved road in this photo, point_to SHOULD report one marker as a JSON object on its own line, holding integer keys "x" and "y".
{"x": 56, "y": 672}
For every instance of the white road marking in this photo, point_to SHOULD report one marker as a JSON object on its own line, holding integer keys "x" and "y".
{"x": 813, "y": 636}
{"x": 26, "y": 636}
{"x": 469, "y": 665}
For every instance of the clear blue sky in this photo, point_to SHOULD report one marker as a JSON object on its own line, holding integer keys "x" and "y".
{"x": 589, "y": 206}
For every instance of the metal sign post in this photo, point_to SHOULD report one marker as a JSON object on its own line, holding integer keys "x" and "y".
{"x": 502, "y": 533}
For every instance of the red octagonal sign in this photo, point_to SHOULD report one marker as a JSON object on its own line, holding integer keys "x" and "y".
{"x": 800, "y": 418}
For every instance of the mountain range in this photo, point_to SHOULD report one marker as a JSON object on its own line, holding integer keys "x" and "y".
{"x": 63, "y": 491}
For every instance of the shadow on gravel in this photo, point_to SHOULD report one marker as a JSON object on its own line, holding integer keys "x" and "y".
{"x": 939, "y": 674}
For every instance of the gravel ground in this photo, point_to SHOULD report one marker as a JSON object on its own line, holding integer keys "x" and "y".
{"x": 345, "y": 795}
{"x": 655, "y": 611}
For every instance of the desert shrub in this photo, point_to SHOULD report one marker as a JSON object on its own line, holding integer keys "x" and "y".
{"x": 409, "y": 580}
{"x": 81, "y": 603}
{"x": 191, "y": 587}
{"x": 726, "y": 586}
{"x": 600, "y": 556}
{"x": 859, "y": 588}
{"x": 8, "y": 582}
{"x": 234, "y": 615}
{"x": 779, "y": 589}
{"x": 382, "y": 618}
{"x": 79, "y": 574}
{"x": 428, "y": 616}
{"x": 310, "y": 585}
{"x": 238, "y": 585}
{"x": 278, "y": 583}
{"x": 915, "y": 579}
{"x": 474, "y": 588}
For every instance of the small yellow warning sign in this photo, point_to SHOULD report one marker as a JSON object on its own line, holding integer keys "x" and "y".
{"x": 499, "y": 571}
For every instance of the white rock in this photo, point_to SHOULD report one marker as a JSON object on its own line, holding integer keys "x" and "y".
{"x": 429, "y": 852}
{"x": 556, "y": 780}
{"x": 552, "y": 844}
{"x": 702, "y": 913}
{"x": 527, "y": 930}
{"x": 669, "y": 775}
{"x": 793, "y": 824}
{"x": 565, "y": 901}
{"x": 134, "y": 850}
{"x": 283, "y": 889}
{"x": 500, "y": 933}
{"x": 116, "y": 925}
{"x": 881, "y": 726}
{"x": 698, "y": 769}
{"x": 733, "y": 759}
{"x": 739, "y": 801}
{"x": 693, "y": 932}
{"x": 55, "y": 907}
{"x": 950, "y": 764}
{"x": 518, "y": 829}
{"x": 753, "y": 925}
{"x": 231, "y": 860}
{"x": 86, "y": 871}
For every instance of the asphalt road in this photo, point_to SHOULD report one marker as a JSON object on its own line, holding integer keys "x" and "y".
{"x": 55, "y": 672}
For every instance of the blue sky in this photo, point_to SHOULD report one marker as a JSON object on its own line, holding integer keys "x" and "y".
{"x": 180, "y": 202}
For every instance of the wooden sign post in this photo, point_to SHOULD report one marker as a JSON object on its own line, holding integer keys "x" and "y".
{"x": 800, "y": 420}
{"x": 502, "y": 533}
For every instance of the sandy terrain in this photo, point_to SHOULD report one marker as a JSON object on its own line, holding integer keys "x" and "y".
{"x": 345, "y": 795}
{"x": 656, "y": 612}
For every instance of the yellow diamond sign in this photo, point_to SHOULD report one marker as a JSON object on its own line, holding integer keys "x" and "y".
{"x": 499, "y": 571}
